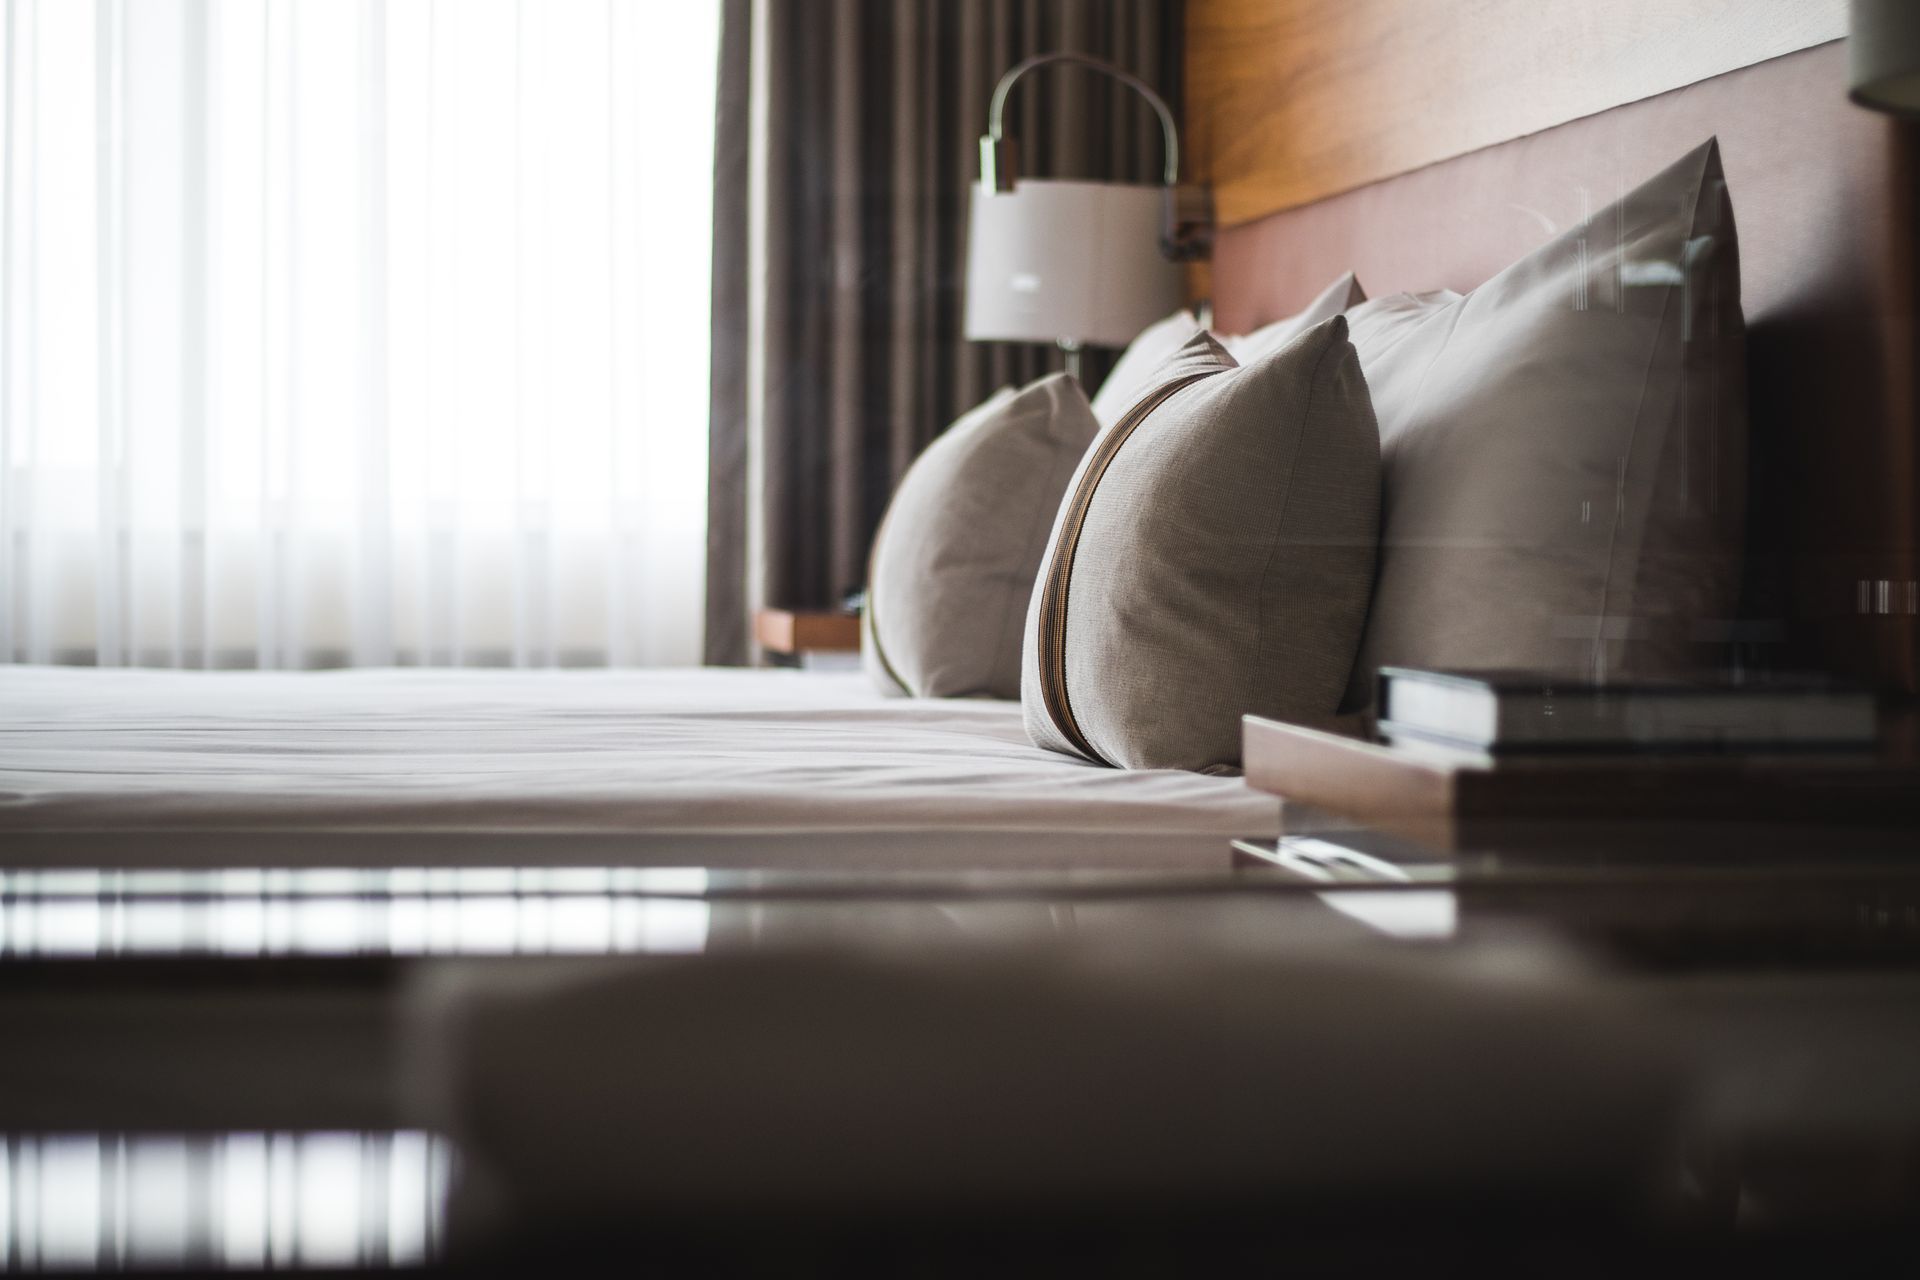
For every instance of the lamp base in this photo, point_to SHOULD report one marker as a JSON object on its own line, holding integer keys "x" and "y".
{"x": 1070, "y": 352}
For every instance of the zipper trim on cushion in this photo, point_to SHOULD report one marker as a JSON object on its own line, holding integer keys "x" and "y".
{"x": 871, "y": 620}
{"x": 1053, "y": 601}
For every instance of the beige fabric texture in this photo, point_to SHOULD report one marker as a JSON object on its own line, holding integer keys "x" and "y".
{"x": 1224, "y": 564}
{"x": 958, "y": 549}
{"x": 1131, "y": 376}
{"x": 1564, "y": 449}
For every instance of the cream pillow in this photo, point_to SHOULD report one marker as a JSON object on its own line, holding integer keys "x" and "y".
{"x": 1564, "y": 448}
{"x": 1212, "y": 558}
{"x": 1333, "y": 300}
{"x": 1129, "y": 379}
{"x": 1147, "y": 352}
{"x": 957, "y": 551}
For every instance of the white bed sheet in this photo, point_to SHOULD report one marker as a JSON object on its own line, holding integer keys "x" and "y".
{"x": 713, "y": 767}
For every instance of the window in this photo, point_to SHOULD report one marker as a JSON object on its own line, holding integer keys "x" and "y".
{"x": 354, "y": 331}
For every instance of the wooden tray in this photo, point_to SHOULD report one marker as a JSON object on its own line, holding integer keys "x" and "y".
{"x": 1410, "y": 788}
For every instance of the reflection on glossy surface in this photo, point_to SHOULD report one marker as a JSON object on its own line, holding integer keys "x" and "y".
{"x": 1416, "y": 914}
{"x": 402, "y": 911}
{"x": 1422, "y": 914}
{"x": 243, "y": 1200}
{"x": 1704, "y": 909}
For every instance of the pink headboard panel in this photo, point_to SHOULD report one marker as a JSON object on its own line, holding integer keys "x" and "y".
{"x": 1823, "y": 197}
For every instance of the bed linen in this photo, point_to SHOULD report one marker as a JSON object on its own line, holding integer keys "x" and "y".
{"x": 713, "y": 767}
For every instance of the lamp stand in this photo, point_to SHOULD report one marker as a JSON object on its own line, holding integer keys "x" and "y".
{"x": 1070, "y": 349}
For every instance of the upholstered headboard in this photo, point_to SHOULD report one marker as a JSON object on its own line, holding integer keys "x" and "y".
{"x": 1822, "y": 192}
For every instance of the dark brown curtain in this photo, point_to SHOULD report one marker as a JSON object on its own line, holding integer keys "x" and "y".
{"x": 847, "y": 134}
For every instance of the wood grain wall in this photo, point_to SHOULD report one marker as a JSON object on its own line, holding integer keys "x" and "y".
{"x": 1289, "y": 101}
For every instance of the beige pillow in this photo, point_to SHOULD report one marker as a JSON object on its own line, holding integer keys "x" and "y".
{"x": 957, "y": 551}
{"x": 1212, "y": 558}
{"x": 1564, "y": 448}
{"x": 1129, "y": 379}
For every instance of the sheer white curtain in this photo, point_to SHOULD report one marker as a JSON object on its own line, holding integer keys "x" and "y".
{"x": 354, "y": 331}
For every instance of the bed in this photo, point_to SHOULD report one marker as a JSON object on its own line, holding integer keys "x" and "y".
{"x": 723, "y": 767}
{"x": 748, "y": 768}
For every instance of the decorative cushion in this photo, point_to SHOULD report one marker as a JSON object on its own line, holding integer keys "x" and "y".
{"x": 1564, "y": 448}
{"x": 1212, "y": 558}
{"x": 1128, "y": 380}
{"x": 957, "y": 551}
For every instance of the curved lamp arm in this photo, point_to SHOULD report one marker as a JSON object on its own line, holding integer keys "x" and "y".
{"x": 996, "y": 111}
{"x": 1186, "y": 230}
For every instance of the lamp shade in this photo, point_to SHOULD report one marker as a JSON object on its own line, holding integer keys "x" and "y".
{"x": 1883, "y": 50}
{"x": 1077, "y": 263}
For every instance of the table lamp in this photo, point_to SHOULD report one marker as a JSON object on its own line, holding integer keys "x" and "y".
{"x": 1883, "y": 50}
{"x": 1077, "y": 263}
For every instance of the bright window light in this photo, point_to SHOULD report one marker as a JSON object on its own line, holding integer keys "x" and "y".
{"x": 355, "y": 331}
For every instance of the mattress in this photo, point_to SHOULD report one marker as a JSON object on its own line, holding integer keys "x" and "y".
{"x": 711, "y": 767}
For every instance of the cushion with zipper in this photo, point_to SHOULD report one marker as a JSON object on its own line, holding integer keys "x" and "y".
{"x": 1213, "y": 558}
{"x": 1146, "y": 353}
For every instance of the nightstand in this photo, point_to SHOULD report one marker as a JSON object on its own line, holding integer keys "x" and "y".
{"x": 817, "y": 639}
{"x": 1455, "y": 802}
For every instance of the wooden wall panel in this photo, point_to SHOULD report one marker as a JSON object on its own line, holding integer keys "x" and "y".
{"x": 1289, "y": 101}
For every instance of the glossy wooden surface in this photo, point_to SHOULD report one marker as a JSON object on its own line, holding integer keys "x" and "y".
{"x": 182, "y": 1029}
{"x": 1289, "y": 101}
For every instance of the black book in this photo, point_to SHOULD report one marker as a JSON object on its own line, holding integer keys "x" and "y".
{"x": 1499, "y": 710}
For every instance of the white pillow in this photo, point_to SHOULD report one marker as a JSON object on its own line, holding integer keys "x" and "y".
{"x": 1333, "y": 300}
{"x": 1133, "y": 372}
{"x": 1136, "y": 364}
